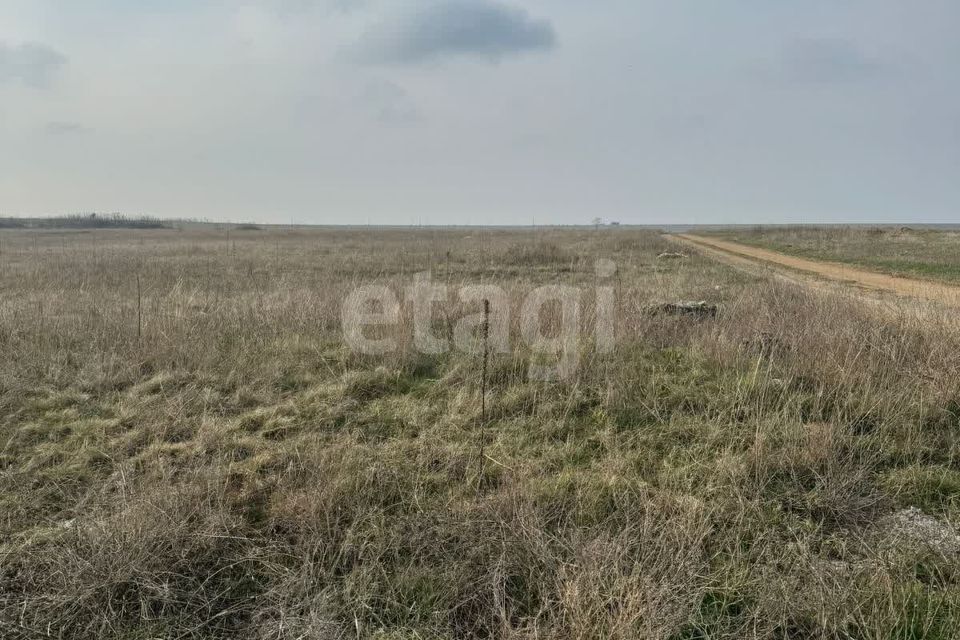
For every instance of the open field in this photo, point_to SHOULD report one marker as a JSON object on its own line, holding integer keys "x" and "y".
{"x": 932, "y": 254}
{"x": 190, "y": 450}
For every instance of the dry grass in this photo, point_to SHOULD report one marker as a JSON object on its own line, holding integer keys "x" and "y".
{"x": 235, "y": 472}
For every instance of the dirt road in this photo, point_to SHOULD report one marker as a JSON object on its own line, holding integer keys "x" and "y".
{"x": 809, "y": 271}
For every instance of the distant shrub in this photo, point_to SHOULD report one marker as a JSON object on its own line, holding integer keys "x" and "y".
{"x": 534, "y": 253}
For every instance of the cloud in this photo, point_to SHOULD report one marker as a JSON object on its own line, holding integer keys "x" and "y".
{"x": 64, "y": 128}
{"x": 389, "y": 103}
{"x": 826, "y": 60}
{"x": 295, "y": 7}
{"x": 468, "y": 28}
{"x": 30, "y": 64}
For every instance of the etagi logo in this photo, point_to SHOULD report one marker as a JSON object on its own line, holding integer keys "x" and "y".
{"x": 552, "y": 356}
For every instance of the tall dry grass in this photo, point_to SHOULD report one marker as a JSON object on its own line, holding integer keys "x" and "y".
{"x": 236, "y": 472}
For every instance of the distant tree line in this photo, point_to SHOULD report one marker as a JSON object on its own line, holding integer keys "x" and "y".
{"x": 86, "y": 221}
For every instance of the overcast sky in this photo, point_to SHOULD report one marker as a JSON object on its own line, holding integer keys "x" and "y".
{"x": 483, "y": 111}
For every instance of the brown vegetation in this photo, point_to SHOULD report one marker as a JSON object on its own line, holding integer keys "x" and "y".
{"x": 224, "y": 467}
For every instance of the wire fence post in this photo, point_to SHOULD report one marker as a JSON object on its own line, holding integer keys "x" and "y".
{"x": 483, "y": 389}
{"x": 139, "y": 311}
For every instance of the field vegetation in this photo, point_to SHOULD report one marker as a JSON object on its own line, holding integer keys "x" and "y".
{"x": 897, "y": 250}
{"x": 190, "y": 451}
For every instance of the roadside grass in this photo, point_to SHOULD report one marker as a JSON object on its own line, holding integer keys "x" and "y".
{"x": 237, "y": 473}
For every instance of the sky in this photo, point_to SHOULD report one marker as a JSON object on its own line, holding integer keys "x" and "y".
{"x": 482, "y": 111}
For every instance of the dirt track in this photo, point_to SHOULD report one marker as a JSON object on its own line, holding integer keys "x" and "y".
{"x": 837, "y": 273}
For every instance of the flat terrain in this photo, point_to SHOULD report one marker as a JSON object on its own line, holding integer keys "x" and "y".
{"x": 190, "y": 449}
